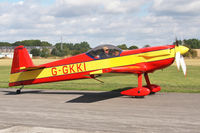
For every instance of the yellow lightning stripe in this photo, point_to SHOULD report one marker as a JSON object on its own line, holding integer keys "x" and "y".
{"x": 129, "y": 59}
{"x": 47, "y": 72}
{"x": 93, "y": 65}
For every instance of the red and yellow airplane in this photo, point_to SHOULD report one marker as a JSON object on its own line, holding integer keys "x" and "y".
{"x": 99, "y": 60}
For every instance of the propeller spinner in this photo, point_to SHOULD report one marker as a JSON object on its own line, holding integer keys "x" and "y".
{"x": 180, "y": 50}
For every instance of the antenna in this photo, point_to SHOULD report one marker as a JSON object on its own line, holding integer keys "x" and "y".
{"x": 61, "y": 44}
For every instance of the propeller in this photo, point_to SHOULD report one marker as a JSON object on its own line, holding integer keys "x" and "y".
{"x": 177, "y": 44}
{"x": 183, "y": 65}
{"x": 177, "y": 57}
{"x": 180, "y": 50}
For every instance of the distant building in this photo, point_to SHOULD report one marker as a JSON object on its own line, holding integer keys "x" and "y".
{"x": 8, "y": 55}
{"x": 8, "y": 51}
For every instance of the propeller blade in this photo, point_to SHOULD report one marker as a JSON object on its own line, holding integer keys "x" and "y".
{"x": 178, "y": 56}
{"x": 183, "y": 65}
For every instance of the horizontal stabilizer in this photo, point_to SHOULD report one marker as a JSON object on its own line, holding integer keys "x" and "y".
{"x": 32, "y": 68}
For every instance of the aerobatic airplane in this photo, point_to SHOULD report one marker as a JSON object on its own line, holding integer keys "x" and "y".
{"x": 95, "y": 62}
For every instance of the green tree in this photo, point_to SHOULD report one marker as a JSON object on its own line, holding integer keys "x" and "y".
{"x": 66, "y": 51}
{"x": 44, "y": 43}
{"x": 62, "y": 51}
{"x": 122, "y": 46}
{"x": 58, "y": 46}
{"x": 145, "y": 46}
{"x": 80, "y": 48}
{"x": 55, "y": 52}
{"x": 28, "y": 43}
{"x": 70, "y": 46}
{"x": 17, "y": 43}
{"x": 177, "y": 41}
{"x": 59, "y": 52}
{"x": 35, "y": 52}
{"x": 45, "y": 52}
{"x": 31, "y": 43}
{"x": 75, "y": 52}
{"x": 192, "y": 43}
{"x": 133, "y": 47}
{"x": 5, "y": 44}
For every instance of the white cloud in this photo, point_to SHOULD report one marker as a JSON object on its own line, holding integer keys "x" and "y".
{"x": 97, "y": 21}
{"x": 176, "y": 7}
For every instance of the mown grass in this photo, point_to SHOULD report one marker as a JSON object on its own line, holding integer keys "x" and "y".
{"x": 169, "y": 79}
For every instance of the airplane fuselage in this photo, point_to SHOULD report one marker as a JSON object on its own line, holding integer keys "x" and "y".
{"x": 81, "y": 66}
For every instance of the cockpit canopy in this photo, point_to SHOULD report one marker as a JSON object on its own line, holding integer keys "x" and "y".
{"x": 104, "y": 51}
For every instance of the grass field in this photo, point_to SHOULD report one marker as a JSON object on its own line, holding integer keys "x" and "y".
{"x": 169, "y": 79}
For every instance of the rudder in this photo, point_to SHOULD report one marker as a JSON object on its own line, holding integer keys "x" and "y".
{"x": 21, "y": 59}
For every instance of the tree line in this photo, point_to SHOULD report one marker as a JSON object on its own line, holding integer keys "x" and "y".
{"x": 27, "y": 43}
{"x": 62, "y": 49}
{"x": 66, "y": 49}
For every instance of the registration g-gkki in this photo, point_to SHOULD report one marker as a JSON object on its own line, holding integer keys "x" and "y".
{"x": 97, "y": 61}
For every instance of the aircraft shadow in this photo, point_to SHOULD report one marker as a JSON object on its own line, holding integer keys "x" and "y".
{"x": 86, "y": 97}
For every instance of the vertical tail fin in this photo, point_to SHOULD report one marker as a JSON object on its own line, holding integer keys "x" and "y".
{"x": 21, "y": 59}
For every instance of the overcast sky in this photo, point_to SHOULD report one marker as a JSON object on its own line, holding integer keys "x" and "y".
{"x": 133, "y": 22}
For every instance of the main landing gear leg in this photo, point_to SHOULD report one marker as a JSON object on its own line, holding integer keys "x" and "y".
{"x": 138, "y": 92}
{"x": 19, "y": 90}
{"x": 152, "y": 87}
